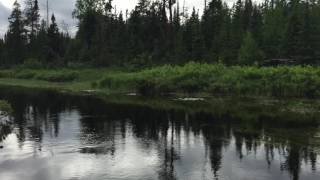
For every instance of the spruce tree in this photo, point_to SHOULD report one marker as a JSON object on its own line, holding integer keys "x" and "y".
{"x": 2, "y": 50}
{"x": 237, "y": 30}
{"x": 32, "y": 18}
{"x": 15, "y": 37}
{"x": 41, "y": 42}
{"x": 53, "y": 39}
{"x": 293, "y": 41}
{"x": 273, "y": 29}
{"x": 192, "y": 37}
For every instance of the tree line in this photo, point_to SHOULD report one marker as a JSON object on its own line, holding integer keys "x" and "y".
{"x": 165, "y": 31}
{"x": 30, "y": 39}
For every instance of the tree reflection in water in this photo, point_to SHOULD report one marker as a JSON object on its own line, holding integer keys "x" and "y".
{"x": 108, "y": 128}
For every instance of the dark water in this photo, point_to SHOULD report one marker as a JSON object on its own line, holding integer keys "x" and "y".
{"x": 54, "y": 136}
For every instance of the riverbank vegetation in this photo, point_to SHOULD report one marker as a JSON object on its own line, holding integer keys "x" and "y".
{"x": 285, "y": 81}
{"x": 161, "y": 48}
{"x": 191, "y": 78}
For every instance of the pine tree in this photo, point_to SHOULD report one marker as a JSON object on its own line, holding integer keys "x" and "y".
{"x": 315, "y": 31}
{"x": 247, "y": 15}
{"x": 192, "y": 37}
{"x": 32, "y": 16}
{"x": 2, "y": 50}
{"x": 225, "y": 38}
{"x": 211, "y": 23}
{"x": 53, "y": 39}
{"x": 15, "y": 37}
{"x": 237, "y": 30}
{"x": 293, "y": 42}
{"x": 41, "y": 42}
{"x": 273, "y": 29}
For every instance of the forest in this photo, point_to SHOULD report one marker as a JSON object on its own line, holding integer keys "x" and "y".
{"x": 166, "y": 32}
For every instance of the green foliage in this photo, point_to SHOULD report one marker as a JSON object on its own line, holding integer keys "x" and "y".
{"x": 298, "y": 81}
{"x": 249, "y": 53}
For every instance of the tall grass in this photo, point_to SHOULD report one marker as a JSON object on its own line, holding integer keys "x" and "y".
{"x": 286, "y": 81}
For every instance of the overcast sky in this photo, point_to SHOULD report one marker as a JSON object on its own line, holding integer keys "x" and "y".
{"x": 63, "y": 9}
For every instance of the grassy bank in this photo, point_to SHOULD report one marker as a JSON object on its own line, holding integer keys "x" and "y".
{"x": 74, "y": 80}
{"x": 284, "y": 81}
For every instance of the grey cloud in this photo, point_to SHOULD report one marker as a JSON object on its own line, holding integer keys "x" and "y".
{"x": 63, "y": 10}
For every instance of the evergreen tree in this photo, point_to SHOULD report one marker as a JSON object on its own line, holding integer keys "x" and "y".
{"x": 315, "y": 30}
{"x": 293, "y": 42}
{"x": 192, "y": 37}
{"x": 2, "y": 51}
{"x": 225, "y": 38}
{"x": 273, "y": 29}
{"x": 237, "y": 30}
{"x": 211, "y": 22}
{"x": 53, "y": 40}
{"x": 15, "y": 37}
{"x": 249, "y": 53}
{"x": 157, "y": 32}
{"x": 88, "y": 12}
{"x": 32, "y": 18}
{"x": 41, "y": 42}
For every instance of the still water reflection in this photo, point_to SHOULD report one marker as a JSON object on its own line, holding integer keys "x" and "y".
{"x": 54, "y": 136}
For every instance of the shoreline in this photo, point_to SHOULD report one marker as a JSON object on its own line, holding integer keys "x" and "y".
{"x": 189, "y": 80}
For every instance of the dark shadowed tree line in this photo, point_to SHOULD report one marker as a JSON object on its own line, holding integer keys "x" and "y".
{"x": 163, "y": 31}
{"x": 31, "y": 40}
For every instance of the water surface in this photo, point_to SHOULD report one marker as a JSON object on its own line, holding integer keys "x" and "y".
{"x": 57, "y": 136}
